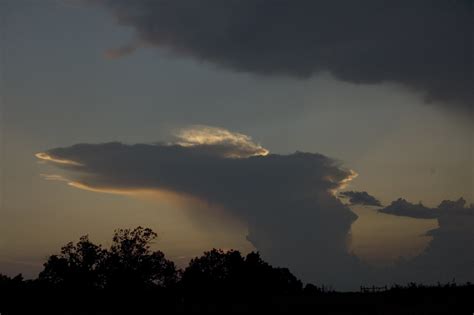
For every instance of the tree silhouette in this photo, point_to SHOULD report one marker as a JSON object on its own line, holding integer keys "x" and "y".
{"x": 228, "y": 272}
{"x": 216, "y": 269}
{"x": 263, "y": 277}
{"x": 77, "y": 266}
{"x": 131, "y": 263}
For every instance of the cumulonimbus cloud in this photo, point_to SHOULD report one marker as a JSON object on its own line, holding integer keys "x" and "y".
{"x": 287, "y": 201}
{"x": 425, "y": 45}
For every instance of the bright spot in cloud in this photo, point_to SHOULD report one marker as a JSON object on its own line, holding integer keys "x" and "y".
{"x": 206, "y": 135}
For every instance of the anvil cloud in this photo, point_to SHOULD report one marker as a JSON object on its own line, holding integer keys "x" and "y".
{"x": 287, "y": 201}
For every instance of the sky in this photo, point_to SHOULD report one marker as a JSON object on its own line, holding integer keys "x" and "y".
{"x": 237, "y": 122}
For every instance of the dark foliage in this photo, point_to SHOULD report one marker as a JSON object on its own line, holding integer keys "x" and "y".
{"x": 77, "y": 266}
{"x": 219, "y": 271}
{"x": 128, "y": 264}
{"x": 131, "y": 278}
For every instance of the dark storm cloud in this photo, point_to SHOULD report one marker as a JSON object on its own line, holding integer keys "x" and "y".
{"x": 360, "y": 198}
{"x": 287, "y": 201}
{"x": 425, "y": 45}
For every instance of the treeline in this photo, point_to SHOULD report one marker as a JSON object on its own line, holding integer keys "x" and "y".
{"x": 131, "y": 278}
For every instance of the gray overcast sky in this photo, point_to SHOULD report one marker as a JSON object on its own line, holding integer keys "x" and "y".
{"x": 58, "y": 89}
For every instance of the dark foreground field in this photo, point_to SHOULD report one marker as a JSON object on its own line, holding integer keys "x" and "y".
{"x": 131, "y": 278}
{"x": 32, "y": 299}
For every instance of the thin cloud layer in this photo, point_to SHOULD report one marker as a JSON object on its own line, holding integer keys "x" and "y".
{"x": 425, "y": 45}
{"x": 401, "y": 207}
{"x": 360, "y": 198}
{"x": 286, "y": 200}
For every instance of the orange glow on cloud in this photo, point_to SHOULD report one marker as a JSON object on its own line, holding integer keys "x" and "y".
{"x": 101, "y": 190}
{"x": 348, "y": 179}
{"x": 46, "y": 157}
{"x": 343, "y": 183}
{"x": 82, "y": 186}
{"x": 151, "y": 194}
{"x": 54, "y": 177}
